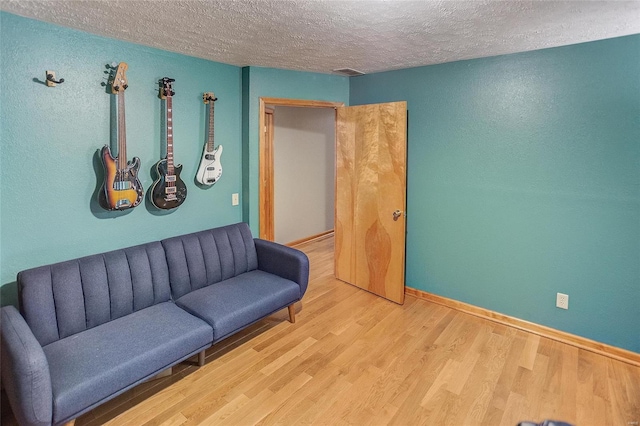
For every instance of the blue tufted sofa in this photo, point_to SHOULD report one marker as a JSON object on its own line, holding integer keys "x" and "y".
{"x": 91, "y": 328}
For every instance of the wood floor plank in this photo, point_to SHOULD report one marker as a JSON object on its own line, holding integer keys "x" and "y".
{"x": 568, "y": 382}
{"x": 508, "y": 373}
{"x": 530, "y": 352}
{"x": 302, "y": 400}
{"x": 257, "y": 408}
{"x": 377, "y": 398}
{"x": 220, "y": 416}
{"x": 347, "y": 409}
{"x": 314, "y": 413}
{"x": 476, "y": 395}
{"x": 514, "y": 408}
{"x": 176, "y": 420}
{"x": 352, "y": 358}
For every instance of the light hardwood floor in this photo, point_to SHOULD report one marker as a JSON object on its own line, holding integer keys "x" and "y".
{"x": 354, "y": 358}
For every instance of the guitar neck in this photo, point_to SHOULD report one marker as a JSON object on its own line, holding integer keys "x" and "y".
{"x": 210, "y": 146}
{"x": 122, "y": 134}
{"x": 169, "y": 101}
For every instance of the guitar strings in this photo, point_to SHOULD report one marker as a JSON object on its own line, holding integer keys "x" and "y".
{"x": 121, "y": 141}
{"x": 170, "y": 170}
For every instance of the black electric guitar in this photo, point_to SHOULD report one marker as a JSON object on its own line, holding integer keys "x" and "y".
{"x": 122, "y": 188}
{"x": 169, "y": 191}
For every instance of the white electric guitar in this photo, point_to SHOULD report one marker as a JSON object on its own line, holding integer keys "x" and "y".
{"x": 210, "y": 168}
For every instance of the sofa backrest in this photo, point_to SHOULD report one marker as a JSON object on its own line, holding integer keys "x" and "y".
{"x": 66, "y": 298}
{"x": 208, "y": 257}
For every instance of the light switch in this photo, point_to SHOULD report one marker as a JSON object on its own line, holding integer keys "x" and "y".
{"x": 235, "y": 199}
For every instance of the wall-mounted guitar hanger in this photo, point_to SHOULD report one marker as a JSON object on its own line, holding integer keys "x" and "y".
{"x": 51, "y": 79}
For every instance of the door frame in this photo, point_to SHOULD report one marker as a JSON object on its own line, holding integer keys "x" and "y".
{"x": 265, "y": 161}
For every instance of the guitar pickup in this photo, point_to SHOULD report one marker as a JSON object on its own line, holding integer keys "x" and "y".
{"x": 170, "y": 178}
{"x": 170, "y": 190}
{"x": 121, "y": 185}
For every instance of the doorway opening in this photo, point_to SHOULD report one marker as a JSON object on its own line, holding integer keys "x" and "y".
{"x": 294, "y": 171}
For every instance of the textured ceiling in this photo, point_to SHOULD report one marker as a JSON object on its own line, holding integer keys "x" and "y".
{"x": 322, "y": 35}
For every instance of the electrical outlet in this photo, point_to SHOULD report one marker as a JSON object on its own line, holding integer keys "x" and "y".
{"x": 562, "y": 301}
{"x": 235, "y": 199}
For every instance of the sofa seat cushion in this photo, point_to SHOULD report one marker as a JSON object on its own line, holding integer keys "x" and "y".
{"x": 104, "y": 361}
{"x": 237, "y": 302}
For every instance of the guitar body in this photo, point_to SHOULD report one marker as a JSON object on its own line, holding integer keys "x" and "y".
{"x": 210, "y": 168}
{"x": 169, "y": 191}
{"x": 121, "y": 189}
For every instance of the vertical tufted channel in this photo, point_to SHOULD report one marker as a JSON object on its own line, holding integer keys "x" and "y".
{"x": 208, "y": 257}
{"x": 65, "y": 298}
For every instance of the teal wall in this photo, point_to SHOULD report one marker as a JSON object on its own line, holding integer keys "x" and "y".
{"x": 524, "y": 181}
{"x": 49, "y": 137}
{"x": 275, "y": 83}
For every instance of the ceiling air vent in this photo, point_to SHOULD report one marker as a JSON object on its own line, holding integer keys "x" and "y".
{"x": 349, "y": 72}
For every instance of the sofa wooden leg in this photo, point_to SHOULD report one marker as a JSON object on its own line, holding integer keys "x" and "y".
{"x": 70, "y": 422}
{"x": 201, "y": 359}
{"x": 292, "y": 314}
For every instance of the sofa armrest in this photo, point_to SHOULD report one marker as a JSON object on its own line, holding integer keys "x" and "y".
{"x": 283, "y": 261}
{"x": 25, "y": 371}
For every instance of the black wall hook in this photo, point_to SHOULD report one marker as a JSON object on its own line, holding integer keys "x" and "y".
{"x": 51, "y": 79}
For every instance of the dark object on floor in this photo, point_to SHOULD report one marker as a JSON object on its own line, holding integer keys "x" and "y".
{"x": 545, "y": 423}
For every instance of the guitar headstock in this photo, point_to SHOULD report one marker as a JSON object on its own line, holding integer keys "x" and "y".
{"x": 119, "y": 79}
{"x": 166, "y": 87}
{"x": 208, "y": 97}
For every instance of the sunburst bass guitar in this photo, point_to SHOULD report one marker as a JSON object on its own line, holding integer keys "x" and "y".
{"x": 121, "y": 189}
{"x": 168, "y": 191}
{"x": 210, "y": 169}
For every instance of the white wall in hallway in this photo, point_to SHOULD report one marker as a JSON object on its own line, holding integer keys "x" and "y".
{"x": 304, "y": 172}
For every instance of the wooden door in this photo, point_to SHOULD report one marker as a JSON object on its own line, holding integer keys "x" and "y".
{"x": 371, "y": 153}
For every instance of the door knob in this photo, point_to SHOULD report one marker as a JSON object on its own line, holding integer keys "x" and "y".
{"x": 397, "y": 214}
